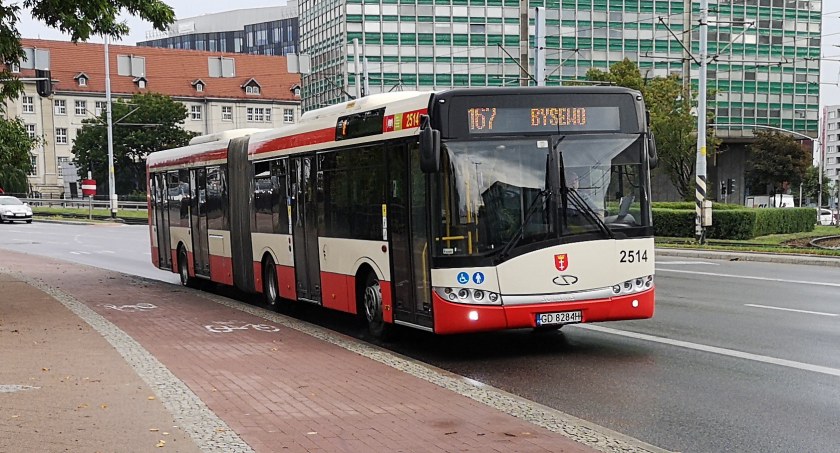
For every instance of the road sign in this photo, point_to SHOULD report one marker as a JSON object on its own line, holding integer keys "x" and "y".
{"x": 88, "y": 187}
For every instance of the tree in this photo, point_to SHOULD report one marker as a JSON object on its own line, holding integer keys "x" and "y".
{"x": 672, "y": 122}
{"x": 624, "y": 73}
{"x": 776, "y": 162}
{"x": 79, "y": 19}
{"x": 144, "y": 124}
{"x": 15, "y": 162}
{"x": 811, "y": 185}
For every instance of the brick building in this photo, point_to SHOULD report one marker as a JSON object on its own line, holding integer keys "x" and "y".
{"x": 221, "y": 91}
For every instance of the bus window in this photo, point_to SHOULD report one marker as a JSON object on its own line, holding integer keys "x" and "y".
{"x": 263, "y": 195}
{"x": 280, "y": 200}
{"x": 215, "y": 213}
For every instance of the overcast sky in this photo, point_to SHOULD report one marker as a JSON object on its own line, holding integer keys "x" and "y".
{"x": 830, "y": 70}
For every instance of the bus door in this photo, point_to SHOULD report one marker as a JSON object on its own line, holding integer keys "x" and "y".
{"x": 407, "y": 231}
{"x": 198, "y": 222}
{"x": 161, "y": 219}
{"x": 303, "y": 190}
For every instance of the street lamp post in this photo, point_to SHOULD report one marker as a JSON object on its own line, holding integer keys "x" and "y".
{"x": 112, "y": 192}
{"x": 700, "y": 190}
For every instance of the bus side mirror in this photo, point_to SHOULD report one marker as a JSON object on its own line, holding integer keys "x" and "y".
{"x": 653, "y": 157}
{"x": 429, "y": 150}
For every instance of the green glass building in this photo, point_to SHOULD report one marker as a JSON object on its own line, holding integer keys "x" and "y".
{"x": 764, "y": 70}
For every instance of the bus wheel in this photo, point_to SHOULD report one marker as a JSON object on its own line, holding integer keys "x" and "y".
{"x": 270, "y": 291}
{"x": 373, "y": 308}
{"x": 183, "y": 269}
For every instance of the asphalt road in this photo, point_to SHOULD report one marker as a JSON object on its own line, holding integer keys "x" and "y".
{"x": 740, "y": 356}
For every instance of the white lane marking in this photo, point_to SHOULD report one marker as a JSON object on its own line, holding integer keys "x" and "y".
{"x": 791, "y": 309}
{"x": 749, "y": 277}
{"x": 716, "y": 350}
{"x": 687, "y": 262}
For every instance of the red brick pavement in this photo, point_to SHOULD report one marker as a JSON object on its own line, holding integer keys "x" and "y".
{"x": 285, "y": 390}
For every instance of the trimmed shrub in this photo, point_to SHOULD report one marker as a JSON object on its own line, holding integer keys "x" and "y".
{"x": 734, "y": 223}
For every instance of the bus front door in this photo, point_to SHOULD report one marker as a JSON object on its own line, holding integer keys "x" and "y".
{"x": 198, "y": 222}
{"x": 408, "y": 236}
{"x": 161, "y": 219}
{"x": 305, "y": 229}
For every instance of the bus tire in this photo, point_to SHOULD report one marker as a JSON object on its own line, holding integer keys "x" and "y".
{"x": 373, "y": 308}
{"x": 184, "y": 269}
{"x": 270, "y": 284}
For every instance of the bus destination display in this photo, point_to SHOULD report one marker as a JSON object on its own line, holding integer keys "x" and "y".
{"x": 501, "y": 120}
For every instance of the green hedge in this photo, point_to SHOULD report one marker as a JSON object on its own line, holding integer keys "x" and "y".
{"x": 730, "y": 223}
{"x": 689, "y": 205}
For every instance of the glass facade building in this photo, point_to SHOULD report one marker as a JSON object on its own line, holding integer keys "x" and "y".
{"x": 765, "y": 66}
{"x": 263, "y": 31}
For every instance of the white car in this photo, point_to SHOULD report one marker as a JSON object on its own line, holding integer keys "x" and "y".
{"x": 12, "y": 209}
{"x": 826, "y": 217}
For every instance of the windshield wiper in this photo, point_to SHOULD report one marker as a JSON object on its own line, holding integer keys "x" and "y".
{"x": 587, "y": 211}
{"x": 503, "y": 254}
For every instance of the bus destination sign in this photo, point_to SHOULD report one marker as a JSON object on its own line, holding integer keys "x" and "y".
{"x": 502, "y": 120}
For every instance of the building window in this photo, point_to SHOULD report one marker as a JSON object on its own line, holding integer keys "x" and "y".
{"x": 81, "y": 107}
{"x": 288, "y": 115}
{"x": 60, "y": 107}
{"x": 195, "y": 112}
{"x": 28, "y": 104}
{"x": 61, "y": 161}
{"x": 30, "y": 130}
{"x": 33, "y": 159}
{"x": 100, "y": 106}
{"x": 82, "y": 81}
{"x": 227, "y": 113}
{"x": 61, "y": 136}
{"x": 258, "y": 115}
{"x": 199, "y": 87}
{"x": 252, "y": 89}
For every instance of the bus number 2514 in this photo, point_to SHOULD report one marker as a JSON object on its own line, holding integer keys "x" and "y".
{"x": 633, "y": 256}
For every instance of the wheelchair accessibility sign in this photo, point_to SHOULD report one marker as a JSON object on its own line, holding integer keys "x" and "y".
{"x": 463, "y": 278}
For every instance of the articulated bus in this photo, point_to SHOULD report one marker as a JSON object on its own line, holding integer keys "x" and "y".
{"x": 455, "y": 211}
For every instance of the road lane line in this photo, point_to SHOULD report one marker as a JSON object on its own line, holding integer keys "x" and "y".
{"x": 749, "y": 277}
{"x": 715, "y": 350}
{"x": 791, "y": 309}
{"x": 687, "y": 262}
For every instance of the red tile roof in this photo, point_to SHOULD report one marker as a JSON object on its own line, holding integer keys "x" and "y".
{"x": 168, "y": 71}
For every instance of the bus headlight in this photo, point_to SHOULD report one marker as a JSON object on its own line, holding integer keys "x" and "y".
{"x": 469, "y": 296}
{"x": 633, "y": 286}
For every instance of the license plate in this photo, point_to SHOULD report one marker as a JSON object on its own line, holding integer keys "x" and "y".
{"x": 562, "y": 317}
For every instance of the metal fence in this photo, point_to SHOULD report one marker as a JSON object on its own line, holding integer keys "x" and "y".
{"x": 83, "y": 203}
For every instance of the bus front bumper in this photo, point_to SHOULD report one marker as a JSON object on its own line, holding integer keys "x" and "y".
{"x": 451, "y": 318}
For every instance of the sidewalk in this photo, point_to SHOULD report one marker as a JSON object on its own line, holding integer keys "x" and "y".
{"x": 117, "y": 363}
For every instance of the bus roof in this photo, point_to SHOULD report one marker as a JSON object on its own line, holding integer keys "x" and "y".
{"x": 317, "y": 129}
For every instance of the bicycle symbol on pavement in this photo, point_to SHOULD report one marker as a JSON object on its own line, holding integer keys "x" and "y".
{"x": 131, "y": 308}
{"x": 230, "y": 326}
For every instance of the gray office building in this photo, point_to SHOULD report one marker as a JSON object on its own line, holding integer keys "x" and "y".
{"x": 264, "y": 31}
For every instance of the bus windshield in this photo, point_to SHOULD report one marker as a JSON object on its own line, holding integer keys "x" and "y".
{"x": 501, "y": 190}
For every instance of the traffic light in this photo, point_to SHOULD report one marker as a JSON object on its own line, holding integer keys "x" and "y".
{"x": 730, "y": 185}
{"x": 723, "y": 188}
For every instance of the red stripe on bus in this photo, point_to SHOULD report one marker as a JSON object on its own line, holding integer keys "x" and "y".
{"x": 216, "y": 154}
{"x": 221, "y": 269}
{"x": 452, "y": 317}
{"x": 286, "y": 279}
{"x": 338, "y": 291}
{"x": 294, "y": 141}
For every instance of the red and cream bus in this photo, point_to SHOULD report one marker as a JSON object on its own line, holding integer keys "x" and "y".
{"x": 456, "y": 211}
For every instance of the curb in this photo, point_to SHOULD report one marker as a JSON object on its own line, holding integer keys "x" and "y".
{"x": 751, "y": 256}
